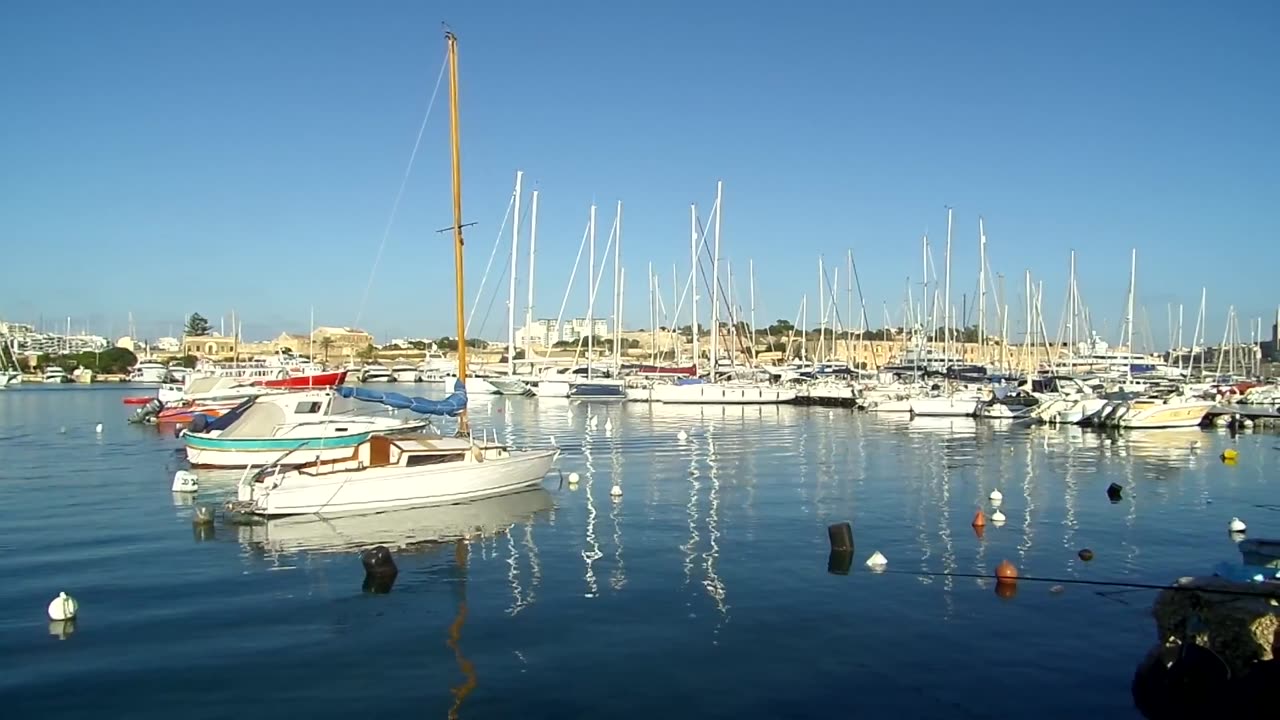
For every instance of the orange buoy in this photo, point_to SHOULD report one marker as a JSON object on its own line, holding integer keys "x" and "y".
{"x": 979, "y": 520}
{"x": 979, "y": 531}
{"x": 1006, "y": 573}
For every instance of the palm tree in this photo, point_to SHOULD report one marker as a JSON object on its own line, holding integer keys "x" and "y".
{"x": 326, "y": 343}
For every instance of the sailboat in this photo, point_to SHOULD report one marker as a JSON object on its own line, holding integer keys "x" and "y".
{"x": 715, "y": 391}
{"x": 384, "y": 471}
{"x": 10, "y": 370}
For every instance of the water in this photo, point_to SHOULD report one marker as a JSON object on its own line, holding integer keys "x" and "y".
{"x": 703, "y": 591}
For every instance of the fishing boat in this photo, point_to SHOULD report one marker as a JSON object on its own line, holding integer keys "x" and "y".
{"x": 383, "y": 471}
{"x": 305, "y": 426}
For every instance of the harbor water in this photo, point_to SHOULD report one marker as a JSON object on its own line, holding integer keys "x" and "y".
{"x": 703, "y": 591}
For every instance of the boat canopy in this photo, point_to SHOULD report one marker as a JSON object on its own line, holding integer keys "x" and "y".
{"x": 450, "y": 406}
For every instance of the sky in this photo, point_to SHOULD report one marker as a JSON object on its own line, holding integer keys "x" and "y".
{"x": 161, "y": 158}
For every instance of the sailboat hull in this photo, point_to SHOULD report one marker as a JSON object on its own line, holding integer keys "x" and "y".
{"x": 720, "y": 394}
{"x": 384, "y": 488}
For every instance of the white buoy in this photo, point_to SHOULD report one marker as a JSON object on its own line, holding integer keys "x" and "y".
{"x": 63, "y": 607}
{"x": 1236, "y": 525}
{"x": 608, "y": 425}
{"x": 615, "y": 491}
{"x": 1246, "y": 423}
{"x": 998, "y": 518}
{"x": 995, "y": 496}
{"x": 573, "y": 478}
{"x": 877, "y": 561}
{"x": 682, "y": 436}
{"x": 185, "y": 481}
{"x": 98, "y": 428}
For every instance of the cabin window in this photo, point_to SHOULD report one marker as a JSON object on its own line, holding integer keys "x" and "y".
{"x": 308, "y": 408}
{"x": 417, "y": 460}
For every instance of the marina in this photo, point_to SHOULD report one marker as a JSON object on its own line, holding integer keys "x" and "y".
{"x": 957, "y": 476}
{"x": 716, "y": 545}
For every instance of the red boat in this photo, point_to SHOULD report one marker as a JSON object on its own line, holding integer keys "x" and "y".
{"x": 331, "y": 378}
{"x": 689, "y": 371}
{"x": 138, "y": 400}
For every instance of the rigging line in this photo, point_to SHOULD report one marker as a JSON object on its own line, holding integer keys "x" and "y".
{"x": 497, "y": 241}
{"x": 498, "y": 285}
{"x": 404, "y": 181}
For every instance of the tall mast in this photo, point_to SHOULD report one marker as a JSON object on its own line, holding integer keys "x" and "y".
{"x": 822, "y": 314}
{"x": 715, "y": 288}
{"x": 924, "y": 291}
{"x": 653, "y": 315}
{"x": 591, "y": 289}
{"x": 804, "y": 327}
{"x": 511, "y": 293}
{"x": 1071, "y": 305}
{"x": 617, "y": 287}
{"x": 1027, "y": 340}
{"x": 1128, "y": 313}
{"x": 982, "y": 291}
{"x": 533, "y": 246}
{"x": 456, "y": 143}
{"x": 946, "y": 299}
{"x": 733, "y": 318}
{"x": 693, "y": 281}
{"x": 751, "y": 289}
{"x": 849, "y": 275}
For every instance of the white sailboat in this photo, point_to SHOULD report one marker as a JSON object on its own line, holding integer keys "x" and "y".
{"x": 728, "y": 392}
{"x": 385, "y": 472}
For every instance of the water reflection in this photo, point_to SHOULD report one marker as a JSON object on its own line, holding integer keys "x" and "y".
{"x": 397, "y": 529}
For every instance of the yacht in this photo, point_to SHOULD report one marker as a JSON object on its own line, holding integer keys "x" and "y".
{"x": 56, "y": 375}
{"x": 403, "y": 372}
{"x": 149, "y": 371}
{"x": 1096, "y": 356}
{"x": 376, "y": 372}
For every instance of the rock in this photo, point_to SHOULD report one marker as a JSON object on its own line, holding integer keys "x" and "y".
{"x": 1240, "y": 627}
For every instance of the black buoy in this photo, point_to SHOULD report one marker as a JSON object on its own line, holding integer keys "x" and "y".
{"x": 841, "y": 537}
{"x": 1085, "y": 554}
{"x": 378, "y": 561}
{"x": 1113, "y": 492}
{"x": 379, "y": 570}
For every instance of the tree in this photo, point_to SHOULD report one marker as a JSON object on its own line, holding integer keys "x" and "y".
{"x": 326, "y": 344}
{"x": 780, "y": 328}
{"x": 368, "y": 353}
{"x": 197, "y": 326}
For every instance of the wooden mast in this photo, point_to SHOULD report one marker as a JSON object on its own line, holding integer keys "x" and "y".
{"x": 454, "y": 138}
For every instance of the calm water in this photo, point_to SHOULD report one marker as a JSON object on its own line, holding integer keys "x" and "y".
{"x": 703, "y": 591}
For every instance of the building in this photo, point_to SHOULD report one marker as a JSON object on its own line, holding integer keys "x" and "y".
{"x": 208, "y": 346}
{"x": 340, "y": 341}
{"x": 55, "y": 344}
{"x": 546, "y": 332}
{"x": 168, "y": 345}
{"x": 292, "y": 343}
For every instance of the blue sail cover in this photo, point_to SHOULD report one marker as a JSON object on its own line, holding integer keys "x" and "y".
{"x": 449, "y": 407}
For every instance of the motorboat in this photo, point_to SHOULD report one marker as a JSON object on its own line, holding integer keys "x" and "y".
{"x": 55, "y": 375}
{"x": 287, "y": 429}
{"x": 698, "y": 392}
{"x": 375, "y": 373}
{"x": 404, "y": 373}
{"x": 149, "y": 372}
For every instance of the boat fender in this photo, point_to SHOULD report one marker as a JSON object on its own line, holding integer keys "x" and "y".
{"x": 477, "y": 452}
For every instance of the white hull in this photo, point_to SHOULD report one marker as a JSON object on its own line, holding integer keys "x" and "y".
{"x": 10, "y": 378}
{"x": 477, "y": 386}
{"x": 1174, "y": 415}
{"x": 209, "y": 458}
{"x": 719, "y": 394}
{"x": 944, "y": 407}
{"x": 552, "y": 389}
{"x": 383, "y": 488}
{"x": 902, "y": 405}
{"x": 377, "y": 378}
{"x": 407, "y": 375}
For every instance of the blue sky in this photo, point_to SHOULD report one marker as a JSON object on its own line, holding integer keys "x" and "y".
{"x": 161, "y": 158}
